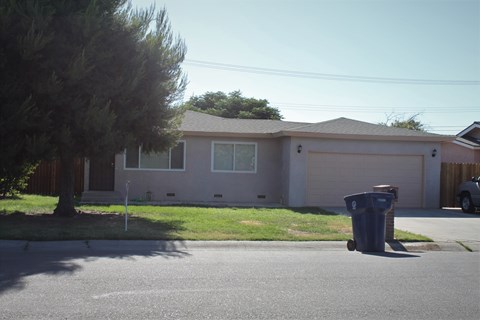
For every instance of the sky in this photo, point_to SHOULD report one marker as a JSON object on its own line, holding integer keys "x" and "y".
{"x": 319, "y": 60}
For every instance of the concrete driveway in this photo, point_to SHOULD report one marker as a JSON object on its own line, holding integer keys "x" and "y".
{"x": 441, "y": 225}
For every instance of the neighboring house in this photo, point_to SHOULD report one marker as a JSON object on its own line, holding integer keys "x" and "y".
{"x": 465, "y": 148}
{"x": 271, "y": 162}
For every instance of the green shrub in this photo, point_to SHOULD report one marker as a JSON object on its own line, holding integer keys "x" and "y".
{"x": 14, "y": 179}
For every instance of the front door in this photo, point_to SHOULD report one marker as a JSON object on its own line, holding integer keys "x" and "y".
{"x": 102, "y": 174}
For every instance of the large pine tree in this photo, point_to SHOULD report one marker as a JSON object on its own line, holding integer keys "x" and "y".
{"x": 89, "y": 78}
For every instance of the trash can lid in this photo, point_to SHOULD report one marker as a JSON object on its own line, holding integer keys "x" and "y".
{"x": 363, "y": 200}
{"x": 384, "y": 195}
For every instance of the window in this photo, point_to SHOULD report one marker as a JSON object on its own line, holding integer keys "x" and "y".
{"x": 173, "y": 159}
{"x": 235, "y": 156}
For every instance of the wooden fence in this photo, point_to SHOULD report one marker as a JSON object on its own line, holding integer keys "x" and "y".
{"x": 46, "y": 178}
{"x": 452, "y": 175}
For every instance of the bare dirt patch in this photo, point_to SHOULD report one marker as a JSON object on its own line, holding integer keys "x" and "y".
{"x": 251, "y": 222}
{"x": 345, "y": 230}
{"x": 299, "y": 233}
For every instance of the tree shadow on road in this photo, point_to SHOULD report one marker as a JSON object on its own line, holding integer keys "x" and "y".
{"x": 21, "y": 257}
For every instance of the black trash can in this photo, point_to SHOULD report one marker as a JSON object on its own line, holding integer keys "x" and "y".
{"x": 368, "y": 211}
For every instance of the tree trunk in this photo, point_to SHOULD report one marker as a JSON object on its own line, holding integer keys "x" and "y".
{"x": 66, "y": 205}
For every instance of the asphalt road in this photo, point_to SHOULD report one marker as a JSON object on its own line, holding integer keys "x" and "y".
{"x": 182, "y": 281}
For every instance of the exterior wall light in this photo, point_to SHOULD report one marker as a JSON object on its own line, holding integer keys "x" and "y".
{"x": 434, "y": 153}
{"x": 299, "y": 148}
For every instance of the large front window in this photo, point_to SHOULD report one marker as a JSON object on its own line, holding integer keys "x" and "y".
{"x": 234, "y": 157}
{"x": 172, "y": 159}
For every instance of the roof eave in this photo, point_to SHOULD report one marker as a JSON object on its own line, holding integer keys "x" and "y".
{"x": 439, "y": 138}
{"x": 466, "y": 145}
{"x": 300, "y": 134}
{"x": 468, "y": 129}
{"x": 226, "y": 134}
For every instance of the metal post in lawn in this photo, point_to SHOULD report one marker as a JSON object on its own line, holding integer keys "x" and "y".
{"x": 126, "y": 206}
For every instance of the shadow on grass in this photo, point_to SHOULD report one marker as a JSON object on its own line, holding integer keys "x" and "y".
{"x": 313, "y": 210}
{"x": 33, "y": 253}
{"x": 85, "y": 226}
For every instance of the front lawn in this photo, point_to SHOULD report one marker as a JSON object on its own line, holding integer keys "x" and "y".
{"x": 30, "y": 218}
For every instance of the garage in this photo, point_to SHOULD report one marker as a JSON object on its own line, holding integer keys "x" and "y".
{"x": 331, "y": 176}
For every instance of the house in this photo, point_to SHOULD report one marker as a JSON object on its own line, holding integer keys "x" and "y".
{"x": 465, "y": 148}
{"x": 272, "y": 162}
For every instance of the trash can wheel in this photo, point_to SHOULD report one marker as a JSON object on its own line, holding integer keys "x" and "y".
{"x": 351, "y": 245}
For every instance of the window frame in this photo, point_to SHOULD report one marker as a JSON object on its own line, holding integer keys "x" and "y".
{"x": 139, "y": 168}
{"x": 234, "y": 143}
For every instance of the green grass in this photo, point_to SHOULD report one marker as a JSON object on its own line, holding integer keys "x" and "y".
{"x": 406, "y": 236}
{"x": 30, "y": 218}
{"x": 29, "y": 204}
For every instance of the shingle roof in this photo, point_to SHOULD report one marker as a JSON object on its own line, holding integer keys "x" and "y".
{"x": 203, "y": 124}
{"x": 355, "y": 127}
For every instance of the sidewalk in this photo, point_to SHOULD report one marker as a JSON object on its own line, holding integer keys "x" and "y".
{"x": 183, "y": 246}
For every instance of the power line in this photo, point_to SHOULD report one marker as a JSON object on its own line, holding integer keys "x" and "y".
{"x": 374, "y": 109}
{"x": 324, "y": 76}
{"x": 471, "y": 108}
{"x": 371, "y": 111}
{"x": 450, "y": 127}
{"x": 382, "y": 109}
{"x": 445, "y": 130}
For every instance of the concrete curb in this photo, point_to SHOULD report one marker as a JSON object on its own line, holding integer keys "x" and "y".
{"x": 433, "y": 246}
{"x": 164, "y": 245}
{"x": 86, "y": 246}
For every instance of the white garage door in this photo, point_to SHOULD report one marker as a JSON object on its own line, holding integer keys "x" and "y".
{"x": 331, "y": 176}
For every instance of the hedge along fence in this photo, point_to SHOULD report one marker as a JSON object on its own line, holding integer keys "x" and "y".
{"x": 452, "y": 175}
{"x": 46, "y": 178}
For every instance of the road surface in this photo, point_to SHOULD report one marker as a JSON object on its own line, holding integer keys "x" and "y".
{"x": 173, "y": 281}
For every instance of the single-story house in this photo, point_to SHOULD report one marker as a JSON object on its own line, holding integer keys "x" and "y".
{"x": 465, "y": 148}
{"x": 273, "y": 162}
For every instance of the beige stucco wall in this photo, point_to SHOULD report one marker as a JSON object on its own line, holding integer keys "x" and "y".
{"x": 198, "y": 184}
{"x": 298, "y": 176}
{"x": 286, "y": 169}
{"x": 454, "y": 153}
{"x": 281, "y": 171}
